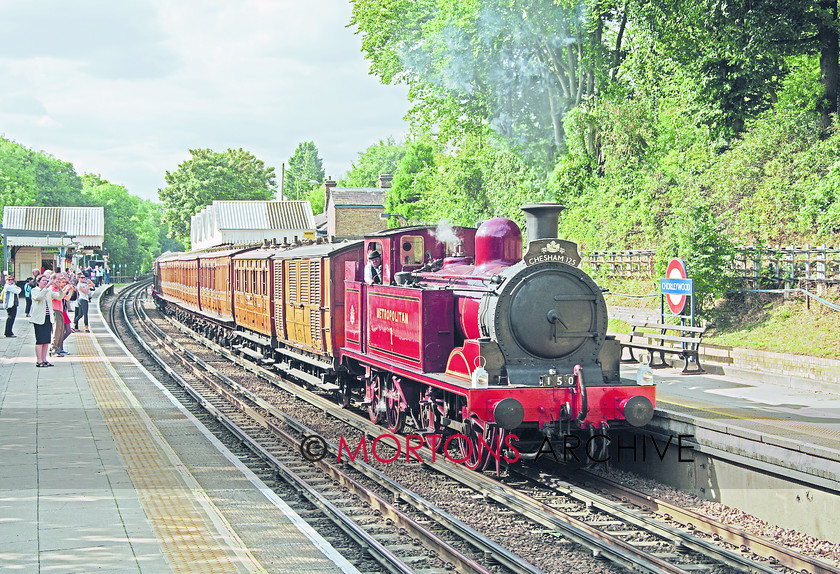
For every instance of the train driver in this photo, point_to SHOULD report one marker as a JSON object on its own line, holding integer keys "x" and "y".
{"x": 373, "y": 269}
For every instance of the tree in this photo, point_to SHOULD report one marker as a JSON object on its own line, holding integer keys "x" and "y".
{"x": 209, "y": 176}
{"x": 129, "y": 236}
{"x": 304, "y": 167}
{"x": 701, "y": 240}
{"x": 515, "y": 66}
{"x": 738, "y": 48}
{"x": 36, "y": 178}
{"x": 379, "y": 158}
{"x": 402, "y": 195}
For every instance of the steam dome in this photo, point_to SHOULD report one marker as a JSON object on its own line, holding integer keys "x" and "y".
{"x": 497, "y": 242}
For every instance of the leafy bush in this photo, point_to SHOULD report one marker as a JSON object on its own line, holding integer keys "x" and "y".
{"x": 701, "y": 241}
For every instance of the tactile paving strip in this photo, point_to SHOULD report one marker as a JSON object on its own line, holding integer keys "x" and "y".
{"x": 194, "y": 535}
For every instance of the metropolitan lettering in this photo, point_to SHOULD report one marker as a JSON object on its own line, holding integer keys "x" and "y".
{"x": 392, "y": 315}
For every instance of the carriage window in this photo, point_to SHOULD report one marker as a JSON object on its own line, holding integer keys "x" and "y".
{"x": 411, "y": 250}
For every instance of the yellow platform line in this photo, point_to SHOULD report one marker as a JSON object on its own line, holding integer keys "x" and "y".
{"x": 193, "y": 533}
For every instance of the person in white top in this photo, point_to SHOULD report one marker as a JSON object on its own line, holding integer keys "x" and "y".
{"x": 10, "y": 303}
{"x": 82, "y": 302}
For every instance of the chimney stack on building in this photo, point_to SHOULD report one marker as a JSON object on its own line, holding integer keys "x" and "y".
{"x": 385, "y": 180}
{"x": 328, "y": 185}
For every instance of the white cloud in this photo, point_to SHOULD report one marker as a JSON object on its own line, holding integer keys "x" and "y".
{"x": 126, "y": 91}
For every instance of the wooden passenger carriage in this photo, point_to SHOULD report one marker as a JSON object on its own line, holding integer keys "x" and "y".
{"x": 309, "y": 305}
{"x": 215, "y": 295}
{"x": 179, "y": 278}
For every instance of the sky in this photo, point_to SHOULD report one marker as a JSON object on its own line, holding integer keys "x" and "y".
{"x": 126, "y": 88}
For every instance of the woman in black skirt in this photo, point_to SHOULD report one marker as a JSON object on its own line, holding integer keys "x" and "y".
{"x": 42, "y": 297}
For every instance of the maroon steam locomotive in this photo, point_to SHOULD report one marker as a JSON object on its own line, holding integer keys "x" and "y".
{"x": 464, "y": 337}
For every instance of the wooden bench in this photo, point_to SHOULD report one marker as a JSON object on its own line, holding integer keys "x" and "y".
{"x": 681, "y": 340}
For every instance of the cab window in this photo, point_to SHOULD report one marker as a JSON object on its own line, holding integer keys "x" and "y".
{"x": 411, "y": 250}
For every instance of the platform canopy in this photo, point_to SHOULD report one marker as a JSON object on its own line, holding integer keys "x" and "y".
{"x": 54, "y": 226}
{"x": 234, "y": 222}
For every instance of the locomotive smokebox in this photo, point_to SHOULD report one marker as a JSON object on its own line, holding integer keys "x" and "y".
{"x": 541, "y": 219}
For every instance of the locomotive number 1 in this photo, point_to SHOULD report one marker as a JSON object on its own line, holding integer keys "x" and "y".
{"x": 391, "y": 332}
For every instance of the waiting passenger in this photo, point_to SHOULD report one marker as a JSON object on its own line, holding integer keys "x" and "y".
{"x": 373, "y": 269}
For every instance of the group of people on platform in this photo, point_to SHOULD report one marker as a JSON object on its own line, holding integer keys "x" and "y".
{"x": 50, "y": 298}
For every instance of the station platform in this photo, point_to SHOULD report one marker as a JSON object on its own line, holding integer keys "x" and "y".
{"x": 102, "y": 471}
{"x": 801, "y": 421}
{"x": 770, "y": 450}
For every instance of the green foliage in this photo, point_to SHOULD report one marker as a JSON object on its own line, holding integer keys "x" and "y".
{"x": 515, "y": 66}
{"x": 304, "y": 167}
{"x": 403, "y": 195}
{"x": 702, "y": 242}
{"x": 475, "y": 185}
{"x": 316, "y": 198}
{"x": 800, "y": 90}
{"x": 737, "y": 50}
{"x": 209, "y": 176}
{"x": 132, "y": 226}
{"x": 35, "y": 178}
{"x": 380, "y": 158}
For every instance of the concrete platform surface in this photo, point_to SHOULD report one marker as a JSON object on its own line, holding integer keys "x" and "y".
{"x": 102, "y": 472}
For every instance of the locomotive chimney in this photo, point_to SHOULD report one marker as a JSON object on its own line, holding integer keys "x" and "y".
{"x": 541, "y": 219}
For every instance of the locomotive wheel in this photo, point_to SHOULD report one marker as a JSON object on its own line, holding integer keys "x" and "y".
{"x": 472, "y": 451}
{"x": 423, "y": 414}
{"x": 374, "y": 395}
{"x": 496, "y": 439}
{"x": 486, "y": 441}
{"x": 395, "y": 415}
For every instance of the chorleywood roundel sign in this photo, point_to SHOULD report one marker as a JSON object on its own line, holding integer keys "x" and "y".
{"x": 676, "y": 286}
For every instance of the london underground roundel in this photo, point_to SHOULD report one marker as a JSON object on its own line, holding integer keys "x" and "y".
{"x": 676, "y": 270}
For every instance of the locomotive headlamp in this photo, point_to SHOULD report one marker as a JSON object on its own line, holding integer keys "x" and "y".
{"x": 480, "y": 378}
{"x": 644, "y": 376}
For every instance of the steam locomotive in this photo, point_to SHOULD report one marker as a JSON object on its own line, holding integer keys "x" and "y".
{"x": 465, "y": 337}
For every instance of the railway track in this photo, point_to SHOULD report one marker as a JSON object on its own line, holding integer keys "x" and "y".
{"x": 398, "y": 542}
{"x": 625, "y": 527}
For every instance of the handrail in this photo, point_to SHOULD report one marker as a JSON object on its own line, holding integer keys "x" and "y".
{"x": 828, "y": 304}
{"x": 807, "y": 293}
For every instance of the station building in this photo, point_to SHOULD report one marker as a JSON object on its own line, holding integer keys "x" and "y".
{"x": 354, "y": 212}
{"x": 50, "y": 237}
{"x": 232, "y": 222}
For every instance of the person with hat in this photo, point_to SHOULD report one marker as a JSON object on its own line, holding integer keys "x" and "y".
{"x": 373, "y": 269}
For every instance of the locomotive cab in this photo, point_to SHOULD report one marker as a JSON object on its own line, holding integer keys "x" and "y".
{"x": 411, "y": 249}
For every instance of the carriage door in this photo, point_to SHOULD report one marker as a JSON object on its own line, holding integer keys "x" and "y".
{"x": 303, "y": 311}
{"x": 297, "y": 290}
{"x": 279, "y": 304}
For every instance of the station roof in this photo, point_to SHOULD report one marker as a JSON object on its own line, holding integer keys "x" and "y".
{"x": 260, "y": 214}
{"x": 84, "y": 225}
{"x": 358, "y": 196}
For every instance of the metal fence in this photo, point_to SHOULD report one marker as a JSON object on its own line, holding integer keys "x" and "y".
{"x": 758, "y": 266}
{"x": 625, "y": 264}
